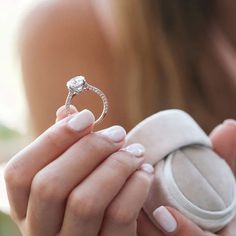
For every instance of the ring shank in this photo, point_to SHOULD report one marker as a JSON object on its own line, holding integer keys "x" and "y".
{"x": 103, "y": 97}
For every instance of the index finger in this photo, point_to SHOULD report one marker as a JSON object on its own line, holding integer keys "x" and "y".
{"x": 21, "y": 170}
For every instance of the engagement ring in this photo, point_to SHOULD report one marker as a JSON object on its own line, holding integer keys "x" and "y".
{"x": 78, "y": 85}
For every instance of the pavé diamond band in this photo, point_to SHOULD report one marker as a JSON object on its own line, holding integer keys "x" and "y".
{"x": 78, "y": 85}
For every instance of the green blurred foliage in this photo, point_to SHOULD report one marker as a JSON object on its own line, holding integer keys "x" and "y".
{"x": 7, "y": 227}
{"x": 7, "y": 133}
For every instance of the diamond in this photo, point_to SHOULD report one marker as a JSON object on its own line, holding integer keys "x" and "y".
{"x": 77, "y": 84}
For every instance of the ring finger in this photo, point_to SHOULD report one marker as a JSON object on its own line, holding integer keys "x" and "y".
{"x": 88, "y": 202}
{"x": 121, "y": 216}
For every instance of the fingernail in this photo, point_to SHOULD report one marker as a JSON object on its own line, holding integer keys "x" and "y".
{"x": 81, "y": 120}
{"x": 229, "y": 122}
{"x": 115, "y": 133}
{"x": 136, "y": 149}
{"x": 147, "y": 168}
{"x": 165, "y": 219}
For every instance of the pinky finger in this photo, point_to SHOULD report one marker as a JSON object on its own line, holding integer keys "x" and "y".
{"x": 121, "y": 216}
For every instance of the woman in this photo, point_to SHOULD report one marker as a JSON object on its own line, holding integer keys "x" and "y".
{"x": 73, "y": 182}
{"x": 158, "y": 55}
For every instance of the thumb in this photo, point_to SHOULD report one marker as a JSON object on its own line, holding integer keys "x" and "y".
{"x": 223, "y": 138}
{"x": 61, "y": 112}
{"x": 172, "y": 222}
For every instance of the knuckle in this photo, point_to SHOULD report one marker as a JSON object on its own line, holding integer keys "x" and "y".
{"x": 120, "y": 215}
{"x": 9, "y": 174}
{"x": 51, "y": 136}
{"x": 45, "y": 187}
{"x": 84, "y": 207}
{"x": 119, "y": 161}
{"x": 12, "y": 176}
{"x": 104, "y": 139}
{"x": 98, "y": 143}
{"x": 13, "y": 216}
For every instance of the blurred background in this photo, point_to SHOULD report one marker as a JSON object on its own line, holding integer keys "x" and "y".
{"x": 169, "y": 54}
{"x": 14, "y": 125}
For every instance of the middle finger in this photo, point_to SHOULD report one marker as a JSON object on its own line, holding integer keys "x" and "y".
{"x": 52, "y": 185}
{"x": 88, "y": 202}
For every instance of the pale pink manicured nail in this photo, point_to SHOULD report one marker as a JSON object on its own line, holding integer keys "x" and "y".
{"x": 147, "y": 168}
{"x": 136, "y": 149}
{"x": 229, "y": 122}
{"x": 165, "y": 219}
{"x": 115, "y": 133}
{"x": 81, "y": 120}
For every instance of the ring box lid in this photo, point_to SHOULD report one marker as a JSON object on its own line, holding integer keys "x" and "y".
{"x": 165, "y": 132}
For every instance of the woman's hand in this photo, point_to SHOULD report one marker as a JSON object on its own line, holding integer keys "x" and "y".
{"x": 71, "y": 181}
{"x": 172, "y": 222}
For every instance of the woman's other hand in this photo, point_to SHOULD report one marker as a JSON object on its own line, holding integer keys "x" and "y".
{"x": 172, "y": 222}
{"x": 71, "y": 181}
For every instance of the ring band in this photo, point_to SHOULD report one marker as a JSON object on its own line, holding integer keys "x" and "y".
{"x": 78, "y": 85}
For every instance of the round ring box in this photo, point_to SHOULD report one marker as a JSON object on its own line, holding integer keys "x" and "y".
{"x": 189, "y": 175}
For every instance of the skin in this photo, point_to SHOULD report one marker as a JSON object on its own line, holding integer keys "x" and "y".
{"x": 223, "y": 138}
{"x": 73, "y": 201}
{"x": 89, "y": 45}
{"x": 57, "y": 60}
{"x": 84, "y": 49}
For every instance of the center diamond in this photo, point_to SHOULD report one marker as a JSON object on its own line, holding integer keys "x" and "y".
{"x": 76, "y": 84}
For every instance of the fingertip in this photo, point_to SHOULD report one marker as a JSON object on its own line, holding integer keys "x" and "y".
{"x": 230, "y": 122}
{"x": 225, "y": 132}
{"x": 81, "y": 120}
{"x": 228, "y": 126}
{"x": 90, "y": 115}
{"x": 165, "y": 219}
{"x": 116, "y": 133}
{"x": 173, "y": 222}
{"x": 216, "y": 130}
{"x": 147, "y": 168}
{"x": 223, "y": 138}
{"x": 61, "y": 112}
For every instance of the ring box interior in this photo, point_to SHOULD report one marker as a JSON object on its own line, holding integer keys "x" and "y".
{"x": 189, "y": 175}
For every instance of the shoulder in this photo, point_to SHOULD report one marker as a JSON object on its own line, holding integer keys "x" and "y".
{"x": 64, "y": 33}
{"x": 67, "y": 22}
{"x": 58, "y": 40}
{"x": 59, "y": 11}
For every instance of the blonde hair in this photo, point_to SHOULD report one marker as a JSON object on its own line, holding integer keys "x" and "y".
{"x": 162, "y": 43}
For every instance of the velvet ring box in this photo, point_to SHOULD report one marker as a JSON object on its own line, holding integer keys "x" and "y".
{"x": 189, "y": 175}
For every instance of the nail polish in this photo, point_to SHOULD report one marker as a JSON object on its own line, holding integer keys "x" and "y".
{"x": 148, "y": 168}
{"x": 115, "y": 133}
{"x": 136, "y": 149}
{"x": 81, "y": 120}
{"x": 165, "y": 219}
{"x": 229, "y": 122}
